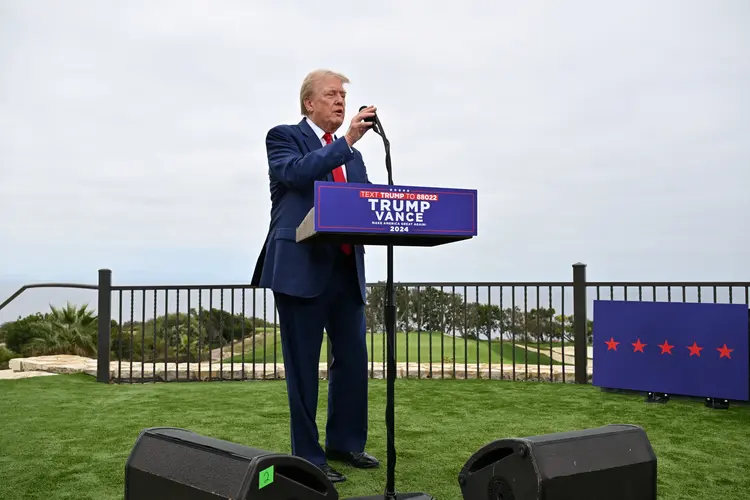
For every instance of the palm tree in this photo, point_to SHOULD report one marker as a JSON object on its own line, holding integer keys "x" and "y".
{"x": 67, "y": 330}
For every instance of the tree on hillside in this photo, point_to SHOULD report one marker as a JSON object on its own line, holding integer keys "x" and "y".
{"x": 374, "y": 308}
{"x": 405, "y": 310}
{"x": 511, "y": 323}
{"x": 541, "y": 325}
{"x": 434, "y": 309}
{"x": 169, "y": 337}
{"x": 439, "y": 311}
{"x": 567, "y": 328}
{"x": 482, "y": 320}
{"x": 426, "y": 309}
{"x": 429, "y": 310}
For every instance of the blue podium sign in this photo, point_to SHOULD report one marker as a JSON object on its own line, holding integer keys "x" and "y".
{"x": 412, "y": 210}
{"x": 689, "y": 349}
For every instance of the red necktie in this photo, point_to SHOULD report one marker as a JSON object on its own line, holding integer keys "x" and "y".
{"x": 338, "y": 176}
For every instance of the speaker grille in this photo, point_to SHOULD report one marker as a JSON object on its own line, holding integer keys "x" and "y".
{"x": 218, "y": 473}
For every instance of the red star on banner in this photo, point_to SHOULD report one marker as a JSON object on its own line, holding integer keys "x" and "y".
{"x": 666, "y": 348}
{"x": 694, "y": 349}
{"x": 611, "y": 344}
{"x": 724, "y": 352}
{"x": 638, "y": 346}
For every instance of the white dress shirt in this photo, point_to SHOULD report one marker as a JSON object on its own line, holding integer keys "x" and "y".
{"x": 320, "y": 133}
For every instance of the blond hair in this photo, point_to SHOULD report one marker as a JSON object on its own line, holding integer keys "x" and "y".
{"x": 308, "y": 85}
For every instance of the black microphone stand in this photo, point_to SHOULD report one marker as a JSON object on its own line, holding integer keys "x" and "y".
{"x": 390, "y": 330}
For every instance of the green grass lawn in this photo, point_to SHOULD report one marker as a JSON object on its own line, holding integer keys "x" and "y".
{"x": 466, "y": 350}
{"x": 67, "y": 437}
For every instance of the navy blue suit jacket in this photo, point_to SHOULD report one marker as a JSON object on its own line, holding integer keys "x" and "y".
{"x": 296, "y": 159}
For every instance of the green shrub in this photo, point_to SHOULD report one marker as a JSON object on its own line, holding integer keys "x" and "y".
{"x": 5, "y": 356}
{"x": 73, "y": 330}
{"x": 20, "y": 332}
{"x": 65, "y": 330}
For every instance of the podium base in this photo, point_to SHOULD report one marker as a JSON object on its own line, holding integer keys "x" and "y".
{"x": 399, "y": 496}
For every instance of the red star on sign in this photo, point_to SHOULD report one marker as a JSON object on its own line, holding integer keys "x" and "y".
{"x": 611, "y": 344}
{"x": 666, "y": 348}
{"x": 694, "y": 349}
{"x": 724, "y": 352}
{"x": 638, "y": 346}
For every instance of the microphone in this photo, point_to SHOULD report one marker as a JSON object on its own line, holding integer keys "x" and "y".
{"x": 378, "y": 129}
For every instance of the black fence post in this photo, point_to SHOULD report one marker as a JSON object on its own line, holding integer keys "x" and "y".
{"x": 580, "y": 322}
{"x": 105, "y": 325}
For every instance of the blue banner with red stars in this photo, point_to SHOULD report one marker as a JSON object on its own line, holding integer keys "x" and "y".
{"x": 689, "y": 349}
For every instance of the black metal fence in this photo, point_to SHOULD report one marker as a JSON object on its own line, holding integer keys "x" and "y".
{"x": 519, "y": 331}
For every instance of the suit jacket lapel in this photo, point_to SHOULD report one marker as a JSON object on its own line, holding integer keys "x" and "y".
{"x": 312, "y": 141}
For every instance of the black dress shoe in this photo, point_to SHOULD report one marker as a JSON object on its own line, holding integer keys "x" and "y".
{"x": 360, "y": 460}
{"x": 333, "y": 475}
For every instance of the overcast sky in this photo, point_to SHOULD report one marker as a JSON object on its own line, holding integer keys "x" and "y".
{"x": 612, "y": 133}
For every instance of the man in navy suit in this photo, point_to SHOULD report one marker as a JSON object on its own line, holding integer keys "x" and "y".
{"x": 318, "y": 286}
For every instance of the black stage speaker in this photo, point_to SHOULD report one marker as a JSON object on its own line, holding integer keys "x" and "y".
{"x": 176, "y": 464}
{"x": 614, "y": 462}
{"x": 398, "y": 496}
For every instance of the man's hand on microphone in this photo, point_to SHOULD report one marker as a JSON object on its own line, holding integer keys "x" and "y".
{"x": 359, "y": 126}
